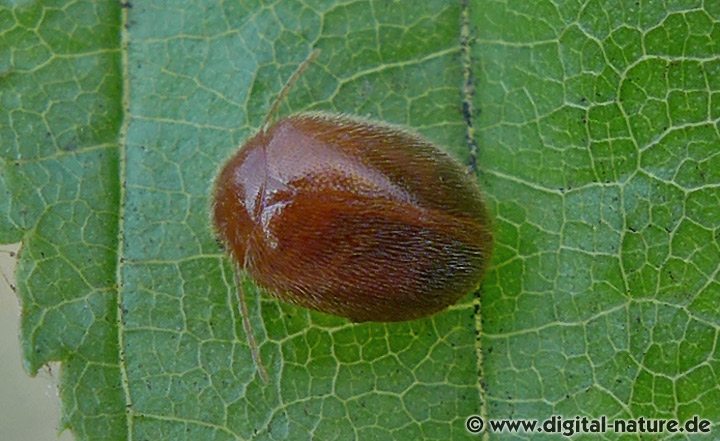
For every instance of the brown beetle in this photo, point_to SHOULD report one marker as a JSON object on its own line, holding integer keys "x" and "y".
{"x": 350, "y": 217}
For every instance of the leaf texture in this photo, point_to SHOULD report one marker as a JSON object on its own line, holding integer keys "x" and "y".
{"x": 595, "y": 130}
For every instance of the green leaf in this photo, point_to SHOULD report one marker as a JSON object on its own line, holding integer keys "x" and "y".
{"x": 596, "y": 128}
{"x": 599, "y": 134}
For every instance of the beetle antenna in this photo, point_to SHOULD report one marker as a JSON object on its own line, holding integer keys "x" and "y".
{"x": 286, "y": 88}
{"x": 252, "y": 344}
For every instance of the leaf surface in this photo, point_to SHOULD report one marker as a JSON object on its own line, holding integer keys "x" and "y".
{"x": 596, "y": 130}
{"x": 599, "y": 133}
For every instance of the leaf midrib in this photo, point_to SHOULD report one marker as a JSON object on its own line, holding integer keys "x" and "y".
{"x": 466, "y": 40}
{"x": 122, "y": 163}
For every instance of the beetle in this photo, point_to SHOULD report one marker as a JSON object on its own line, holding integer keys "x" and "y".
{"x": 350, "y": 217}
